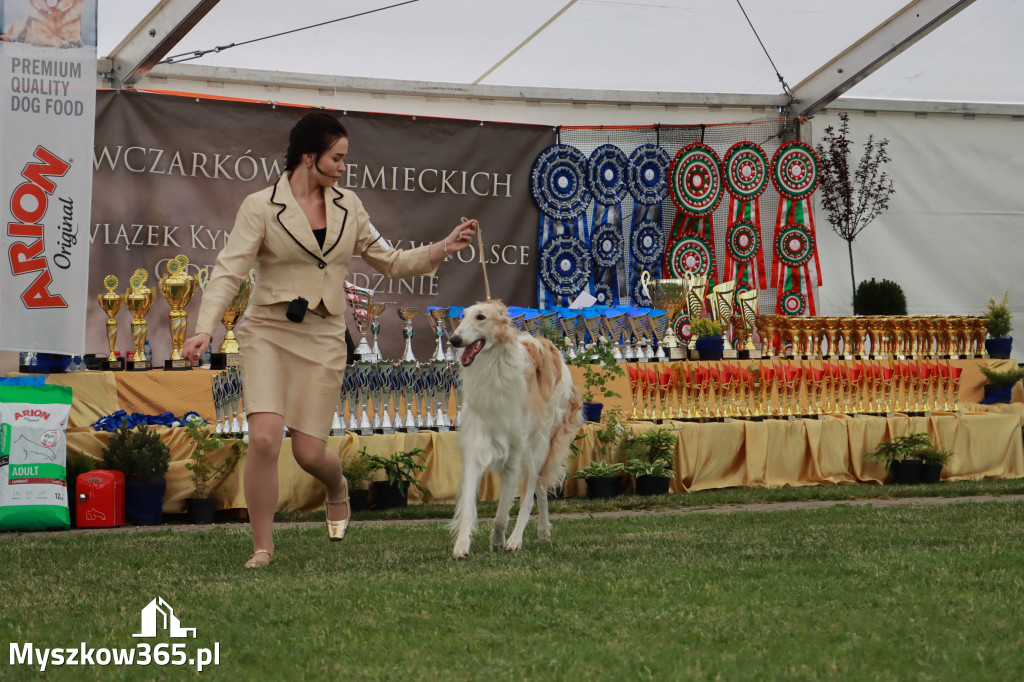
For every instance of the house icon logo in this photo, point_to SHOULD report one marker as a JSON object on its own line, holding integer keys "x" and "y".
{"x": 159, "y": 613}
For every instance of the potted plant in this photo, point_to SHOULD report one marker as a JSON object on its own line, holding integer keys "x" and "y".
{"x": 359, "y": 473}
{"x": 401, "y": 469}
{"x": 933, "y": 459}
{"x": 77, "y": 463}
{"x": 143, "y": 459}
{"x": 602, "y": 479}
{"x": 650, "y": 460}
{"x": 900, "y": 457}
{"x": 710, "y": 343}
{"x": 599, "y": 369}
{"x": 205, "y": 474}
{"x": 999, "y": 323}
{"x": 999, "y": 386}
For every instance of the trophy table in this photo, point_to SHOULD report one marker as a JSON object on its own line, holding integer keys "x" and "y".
{"x": 111, "y": 303}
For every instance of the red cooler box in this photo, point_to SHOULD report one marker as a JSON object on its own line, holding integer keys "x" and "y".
{"x": 100, "y": 499}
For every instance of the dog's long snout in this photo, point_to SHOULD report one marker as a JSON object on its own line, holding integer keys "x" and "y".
{"x": 456, "y": 341}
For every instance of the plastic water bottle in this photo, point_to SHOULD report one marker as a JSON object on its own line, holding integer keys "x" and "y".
{"x": 205, "y": 360}
{"x": 149, "y": 351}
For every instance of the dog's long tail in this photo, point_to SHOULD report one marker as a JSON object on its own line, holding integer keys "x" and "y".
{"x": 552, "y": 472}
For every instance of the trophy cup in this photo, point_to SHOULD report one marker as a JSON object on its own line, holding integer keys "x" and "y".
{"x": 570, "y": 324}
{"x": 177, "y": 287}
{"x": 410, "y": 380}
{"x": 138, "y": 299}
{"x": 361, "y": 301}
{"x": 658, "y": 322}
{"x": 668, "y": 295}
{"x": 721, "y": 301}
{"x": 408, "y": 315}
{"x": 364, "y": 382}
{"x": 376, "y": 310}
{"x": 227, "y": 354}
{"x": 746, "y": 301}
{"x": 613, "y": 325}
{"x": 592, "y": 322}
{"x": 695, "y": 291}
{"x": 442, "y": 389}
{"x": 637, "y": 322}
{"x": 439, "y": 317}
{"x": 111, "y": 303}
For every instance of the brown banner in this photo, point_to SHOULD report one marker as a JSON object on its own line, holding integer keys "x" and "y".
{"x": 171, "y": 172}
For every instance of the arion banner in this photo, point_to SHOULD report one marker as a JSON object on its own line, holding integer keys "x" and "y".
{"x": 172, "y": 170}
{"x": 48, "y": 57}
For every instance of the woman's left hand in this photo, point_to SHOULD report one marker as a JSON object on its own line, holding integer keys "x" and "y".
{"x": 457, "y": 240}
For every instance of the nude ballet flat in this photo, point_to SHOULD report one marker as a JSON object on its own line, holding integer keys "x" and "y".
{"x": 252, "y": 563}
{"x": 336, "y": 529}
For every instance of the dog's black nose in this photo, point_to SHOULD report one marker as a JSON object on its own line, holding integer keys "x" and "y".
{"x": 456, "y": 341}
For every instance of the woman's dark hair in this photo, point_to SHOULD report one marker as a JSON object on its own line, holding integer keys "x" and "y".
{"x": 315, "y": 133}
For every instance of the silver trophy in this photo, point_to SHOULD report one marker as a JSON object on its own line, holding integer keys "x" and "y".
{"x": 235, "y": 393}
{"x": 592, "y": 326}
{"x": 218, "y": 401}
{"x": 636, "y": 330}
{"x": 385, "y": 371}
{"x": 408, "y": 315}
{"x": 549, "y": 323}
{"x": 721, "y": 300}
{"x": 377, "y": 393}
{"x": 570, "y": 325}
{"x": 442, "y": 391}
{"x": 457, "y": 385}
{"x": 658, "y": 323}
{"x": 350, "y": 390}
{"x": 360, "y": 299}
{"x": 410, "y": 377}
{"x": 376, "y": 310}
{"x": 364, "y": 384}
{"x": 438, "y": 317}
{"x": 532, "y": 323}
{"x": 613, "y": 325}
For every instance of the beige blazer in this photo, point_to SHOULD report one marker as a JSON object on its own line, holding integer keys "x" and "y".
{"x": 272, "y": 233}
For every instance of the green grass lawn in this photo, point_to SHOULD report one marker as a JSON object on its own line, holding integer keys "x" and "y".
{"x": 846, "y": 593}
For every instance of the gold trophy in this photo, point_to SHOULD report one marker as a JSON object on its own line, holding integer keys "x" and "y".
{"x": 111, "y": 303}
{"x": 228, "y": 353}
{"x": 177, "y": 287}
{"x": 695, "y": 291}
{"x": 746, "y": 301}
{"x": 721, "y": 299}
{"x": 138, "y": 299}
{"x": 668, "y": 295}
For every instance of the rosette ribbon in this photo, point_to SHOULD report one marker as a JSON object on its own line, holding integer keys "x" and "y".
{"x": 794, "y": 174}
{"x": 559, "y": 183}
{"x": 609, "y": 180}
{"x": 745, "y": 168}
{"x": 695, "y": 183}
{"x": 648, "y": 168}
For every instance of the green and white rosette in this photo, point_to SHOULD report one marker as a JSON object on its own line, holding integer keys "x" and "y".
{"x": 794, "y": 174}
{"x": 648, "y": 182}
{"x": 745, "y": 167}
{"x": 794, "y": 249}
{"x": 609, "y": 181}
{"x": 695, "y": 184}
{"x": 560, "y": 184}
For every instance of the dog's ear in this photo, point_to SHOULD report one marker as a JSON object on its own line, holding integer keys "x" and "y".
{"x": 500, "y": 306}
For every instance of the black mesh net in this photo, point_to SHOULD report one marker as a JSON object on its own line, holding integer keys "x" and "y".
{"x": 768, "y": 134}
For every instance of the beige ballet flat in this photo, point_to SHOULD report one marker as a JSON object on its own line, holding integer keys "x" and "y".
{"x": 252, "y": 563}
{"x": 336, "y": 529}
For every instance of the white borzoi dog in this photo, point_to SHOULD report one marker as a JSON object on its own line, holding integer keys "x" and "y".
{"x": 521, "y": 414}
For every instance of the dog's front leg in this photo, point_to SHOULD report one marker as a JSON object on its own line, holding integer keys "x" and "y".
{"x": 543, "y": 522}
{"x": 509, "y": 479}
{"x": 465, "y": 510}
{"x": 515, "y": 541}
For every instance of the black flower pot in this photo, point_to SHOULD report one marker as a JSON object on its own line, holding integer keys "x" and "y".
{"x": 360, "y": 499}
{"x": 592, "y": 411}
{"x": 906, "y": 472}
{"x": 201, "y": 510}
{"x": 144, "y": 502}
{"x": 386, "y": 496}
{"x": 931, "y": 473}
{"x": 651, "y": 485}
{"x": 602, "y": 487}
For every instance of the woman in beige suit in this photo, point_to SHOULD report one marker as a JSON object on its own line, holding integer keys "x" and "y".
{"x": 300, "y": 234}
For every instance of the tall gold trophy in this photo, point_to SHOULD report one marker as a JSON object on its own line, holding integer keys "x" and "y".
{"x": 177, "y": 287}
{"x": 111, "y": 303}
{"x": 668, "y": 295}
{"x": 746, "y": 301}
{"x": 695, "y": 291}
{"x": 721, "y": 300}
{"x": 228, "y": 353}
{"x": 138, "y": 299}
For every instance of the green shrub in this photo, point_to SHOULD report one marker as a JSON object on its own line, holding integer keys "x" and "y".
{"x": 901, "y": 448}
{"x": 359, "y": 471}
{"x": 934, "y": 455}
{"x": 401, "y": 468}
{"x": 651, "y": 446}
{"x": 706, "y": 327}
{"x": 879, "y": 298}
{"x": 205, "y": 441}
{"x": 999, "y": 318}
{"x": 1010, "y": 376}
{"x": 600, "y": 470}
{"x": 137, "y": 453}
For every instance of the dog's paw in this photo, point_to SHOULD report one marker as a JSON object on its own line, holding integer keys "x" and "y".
{"x": 461, "y": 549}
{"x": 514, "y": 544}
{"x": 544, "y": 534}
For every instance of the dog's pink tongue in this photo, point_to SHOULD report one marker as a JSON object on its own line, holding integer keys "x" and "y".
{"x": 470, "y": 352}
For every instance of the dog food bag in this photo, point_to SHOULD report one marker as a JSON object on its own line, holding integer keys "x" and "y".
{"x": 33, "y": 457}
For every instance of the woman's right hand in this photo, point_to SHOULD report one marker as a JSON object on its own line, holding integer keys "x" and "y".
{"x": 195, "y": 346}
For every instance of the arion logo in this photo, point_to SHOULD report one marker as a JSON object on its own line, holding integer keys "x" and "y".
{"x": 159, "y": 614}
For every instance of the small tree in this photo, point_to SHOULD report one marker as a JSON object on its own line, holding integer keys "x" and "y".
{"x": 852, "y": 198}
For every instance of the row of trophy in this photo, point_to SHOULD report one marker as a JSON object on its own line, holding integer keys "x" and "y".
{"x": 731, "y": 391}
{"x": 228, "y": 403}
{"x": 946, "y": 337}
{"x": 177, "y": 287}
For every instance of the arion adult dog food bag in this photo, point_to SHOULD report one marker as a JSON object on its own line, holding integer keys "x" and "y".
{"x": 33, "y": 456}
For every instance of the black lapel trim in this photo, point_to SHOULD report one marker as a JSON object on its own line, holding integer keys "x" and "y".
{"x": 344, "y": 219}
{"x": 273, "y": 195}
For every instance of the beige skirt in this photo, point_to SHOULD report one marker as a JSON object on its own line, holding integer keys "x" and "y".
{"x": 292, "y": 369}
